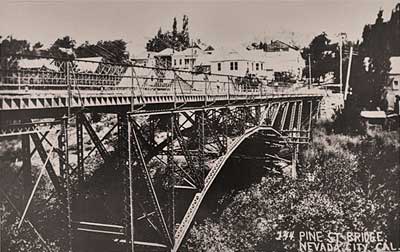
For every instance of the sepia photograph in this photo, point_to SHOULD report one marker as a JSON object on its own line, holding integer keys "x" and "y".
{"x": 199, "y": 126}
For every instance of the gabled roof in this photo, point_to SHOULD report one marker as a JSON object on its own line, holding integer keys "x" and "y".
{"x": 37, "y": 63}
{"x": 190, "y": 52}
{"x": 204, "y": 46}
{"x": 227, "y": 55}
{"x": 395, "y": 65}
{"x": 88, "y": 66}
{"x": 165, "y": 52}
{"x": 143, "y": 55}
{"x": 278, "y": 44}
{"x": 290, "y": 46}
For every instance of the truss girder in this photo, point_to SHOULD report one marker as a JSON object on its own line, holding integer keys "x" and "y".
{"x": 197, "y": 135}
{"x": 49, "y": 167}
{"x": 96, "y": 140}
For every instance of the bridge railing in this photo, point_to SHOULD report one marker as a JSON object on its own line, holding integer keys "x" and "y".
{"x": 55, "y": 76}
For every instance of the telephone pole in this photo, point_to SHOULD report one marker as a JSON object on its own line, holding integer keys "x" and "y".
{"x": 346, "y": 88}
{"x": 342, "y": 36}
{"x": 309, "y": 71}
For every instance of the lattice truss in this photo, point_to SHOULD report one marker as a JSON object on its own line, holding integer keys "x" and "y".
{"x": 154, "y": 159}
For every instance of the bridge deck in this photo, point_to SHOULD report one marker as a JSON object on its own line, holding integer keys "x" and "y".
{"x": 45, "y": 103}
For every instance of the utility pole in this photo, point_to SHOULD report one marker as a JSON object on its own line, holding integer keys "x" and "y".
{"x": 309, "y": 71}
{"x": 342, "y": 37}
{"x": 346, "y": 88}
{"x": 341, "y": 64}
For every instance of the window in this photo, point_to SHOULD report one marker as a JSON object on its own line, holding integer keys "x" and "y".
{"x": 236, "y": 66}
{"x": 252, "y": 66}
{"x": 180, "y": 61}
{"x": 262, "y": 66}
{"x": 187, "y": 61}
{"x": 219, "y": 66}
{"x": 257, "y": 65}
{"x": 396, "y": 84}
{"x": 175, "y": 62}
{"x": 231, "y": 65}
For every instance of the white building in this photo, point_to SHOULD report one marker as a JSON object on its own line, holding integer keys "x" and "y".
{"x": 186, "y": 59}
{"x": 284, "y": 59}
{"x": 145, "y": 58}
{"x": 239, "y": 63}
{"x": 394, "y": 74}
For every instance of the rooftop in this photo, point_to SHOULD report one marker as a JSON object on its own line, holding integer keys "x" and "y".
{"x": 395, "y": 65}
{"x": 37, "y": 63}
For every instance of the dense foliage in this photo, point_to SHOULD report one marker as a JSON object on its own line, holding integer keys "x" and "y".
{"x": 348, "y": 184}
{"x": 177, "y": 40}
{"x": 111, "y": 50}
{"x": 323, "y": 55}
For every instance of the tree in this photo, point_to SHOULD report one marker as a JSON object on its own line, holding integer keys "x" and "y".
{"x": 185, "y": 40}
{"x": 375, "y": 47}
{"x": 324, "y": 57}
{"x": 174, "y": 28}
{"x": 63, "y": 48}
{"x": 176, "y": 40}
{"x": 37, "y": 46}
{"x": 113, "y": 50}
{"x": 10, "y": 49}
{"x": 86, "y": 50}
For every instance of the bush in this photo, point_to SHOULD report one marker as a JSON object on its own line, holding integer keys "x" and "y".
{"x": 355, "y": 187}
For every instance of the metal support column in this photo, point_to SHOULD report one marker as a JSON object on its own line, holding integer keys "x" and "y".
{"x": 171, "y": 172}
{"x": 201, "y": 144}
{"x": 225, "y": 120}
{"x": 123, "y": 167}
{"x": 130, "y": 181}
{"x": 67, "y": 180}
{"x": 26, "y": 165}
{"x": 79, "y": 148}
{"x": 284, "y": 115}
{"x": 310, "y": 119}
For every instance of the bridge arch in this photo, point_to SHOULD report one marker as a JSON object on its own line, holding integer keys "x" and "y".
{"x": 210, "y": 178}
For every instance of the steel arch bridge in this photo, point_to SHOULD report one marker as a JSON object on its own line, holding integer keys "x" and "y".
{"x": 172, "y": 133}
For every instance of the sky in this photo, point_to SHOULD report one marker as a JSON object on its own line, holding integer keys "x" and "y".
{"x": 221, "y": 23}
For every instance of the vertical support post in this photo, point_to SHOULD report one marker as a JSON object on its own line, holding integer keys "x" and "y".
{"x": 67, "y": 173}
{"x": 133, "y": 89}
{"x": 309, "y": 71}
{"x": 310, "y": 119}
{"x": 292, "y": 115}
{"x": 67, "y": 179}
{"x": 174, "y": 83}
{"x": 205, "y": 91}
{"x": 152, "y": 127}
{"x": 341, "y": 63}
{"x": 300, "y": 116}
{"x": 26, "y": 165}
{"x": 171, "y": 167}
{"x": 229, "y": 90}
{"x": 283, "y": 119}
{"x": 225, "y": 120}
{"x": 123, "y": 143}
{"x": 295, "y": 156}
{"x": 79, "y": 147}
{"x": 130, "y": 174}
{"x": 201, "y": 139}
